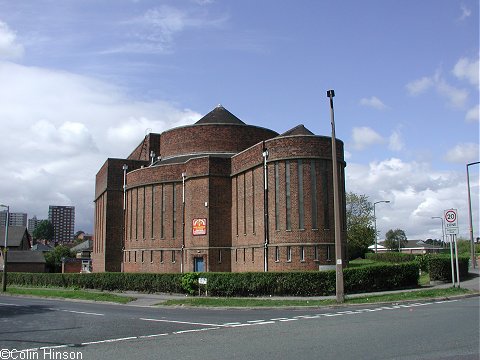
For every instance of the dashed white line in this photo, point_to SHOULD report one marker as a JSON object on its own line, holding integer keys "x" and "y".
{"x": 180, "y": 322}
{"x": 6, "y": 304}
{"x": 77, "y": 312}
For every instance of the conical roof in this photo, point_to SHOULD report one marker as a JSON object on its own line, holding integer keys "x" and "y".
{"x": 298, "y": 130}
{"x": 220, "y": 115}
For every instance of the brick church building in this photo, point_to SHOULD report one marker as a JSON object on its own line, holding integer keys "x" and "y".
{"x": 219, "y": 195}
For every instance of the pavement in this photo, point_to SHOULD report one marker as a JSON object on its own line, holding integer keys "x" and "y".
{"x": 145, "y": 299}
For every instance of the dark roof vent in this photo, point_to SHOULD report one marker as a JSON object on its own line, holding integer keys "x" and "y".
{"x": 220, "y": 115}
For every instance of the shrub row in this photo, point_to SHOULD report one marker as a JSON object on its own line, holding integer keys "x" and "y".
{"x": 356, "y": 280}
{"x": 393, "y": 257}
{"x": 170, "y": 283}
{"x": 365, "y": 279}
{"x": 440, "y": 268}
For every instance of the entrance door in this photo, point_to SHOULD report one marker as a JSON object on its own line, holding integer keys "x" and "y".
{"x": 198, "y": 264}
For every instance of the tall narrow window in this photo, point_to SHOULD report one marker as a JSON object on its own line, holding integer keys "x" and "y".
{"x": 288, "y": 199}
{"x": 143, "y": 213}
{"x": 244, "y": 204}
{"x": 152, "y": 211}
{"x": 174, "y": 210}
{"x": 313, "y": 186}
{"x": 277, "y": 253}
{"x": 244, "y": 254}
{"x": 253, "y": 201}
{"x": 151, "y": 256}
{"x": 130, "y": 196}
{"x": 143, "y": 258}
{"x": 162, "y": 214}
{"x": 328, "y": 253}
{"x": 301, "y": 212}
{"x": 289, "y": 253}
{"x": 253, "y": 254}
{"x": 326, "y": 212}
{"x": 302, "y": 253}
{"x": 173, "y": 256}
{"x": 277, "y": 200}
{"x": 219, "y": 256}
{"x": 136, "y": 217}
{"x": 315, "y": 253}
{"x": 236, "y": 206}
{"x": 161, "y": 256}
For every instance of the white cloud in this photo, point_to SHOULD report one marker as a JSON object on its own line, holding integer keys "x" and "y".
{"x": 9, "y": 48}
{"x": 373, "y": 102}
{"x": 419, "y": 86}
{"x": 364, "y": 137}
{"x": 395, "y": 142}
{"x": 466, "y": 12}
{"x": 456, "y": 97}
{"x": 473, "y": 114}
{"x": 58, "y": 128}
{"x": 155, "y": 30}
{"x": 416, "y": 191}
{"x": 467, "y": 69}
{"x": 463, "y": 153}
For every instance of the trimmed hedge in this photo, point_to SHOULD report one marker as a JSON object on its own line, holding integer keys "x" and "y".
{"x": 392, "y": 257}
{"x": 170, "y": 283}
{"x": 319, "y": 283}
{"x": 440, "y": 268}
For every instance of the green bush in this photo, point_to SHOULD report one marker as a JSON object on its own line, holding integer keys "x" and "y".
{"x": 441, "y": 270}
{"x": 190, "y": 283}
{"x": 313, "y": 283}
{"x": 393, "y": 257}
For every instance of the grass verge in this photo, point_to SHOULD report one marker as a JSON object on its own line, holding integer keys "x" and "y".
{"x": 70, "y": 294}
{"x": 255, "y": 302}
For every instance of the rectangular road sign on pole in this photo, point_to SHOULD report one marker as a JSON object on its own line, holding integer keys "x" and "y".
{"x": 451, "y": 221}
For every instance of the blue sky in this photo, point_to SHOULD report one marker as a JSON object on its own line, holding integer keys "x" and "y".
{"x": 81, "y": 81}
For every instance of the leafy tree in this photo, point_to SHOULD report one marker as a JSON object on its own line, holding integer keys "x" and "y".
{"x": 360, "y": 231}
{"x": 393, "y": 238}
{"x": 43, "y": 231}
{"x": 54, "y": 258}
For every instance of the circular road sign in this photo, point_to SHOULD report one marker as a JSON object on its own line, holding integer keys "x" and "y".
{"x": 450, "y": 216}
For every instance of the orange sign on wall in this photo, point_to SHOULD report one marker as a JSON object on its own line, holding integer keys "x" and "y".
{"x": 199, "y": 227}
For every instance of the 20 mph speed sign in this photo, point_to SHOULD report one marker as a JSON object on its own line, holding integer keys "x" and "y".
{"x": 451, "y": 221}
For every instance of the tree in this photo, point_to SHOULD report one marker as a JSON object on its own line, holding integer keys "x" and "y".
{"x": 43, "y": 231}
{"x": 53, "y": 258}
{"x": 360, "y": 232}
{"x": 393, "y": 238}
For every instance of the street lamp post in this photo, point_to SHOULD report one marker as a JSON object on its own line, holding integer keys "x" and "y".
{"x": 443, "y": 232}
{"x": 340, "y": 295}
{"x": 4, "y": 274}
{"x": 472, "y": 245}
{"x": 375, "y": 219}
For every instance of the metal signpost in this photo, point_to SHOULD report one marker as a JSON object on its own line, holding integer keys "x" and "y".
{"x": 451, "y": 227}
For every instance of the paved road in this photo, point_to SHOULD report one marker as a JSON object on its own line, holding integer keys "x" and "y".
{"x": 424, "y": 330}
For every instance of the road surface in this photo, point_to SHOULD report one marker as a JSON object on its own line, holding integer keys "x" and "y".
{"x": 56, "y": 329}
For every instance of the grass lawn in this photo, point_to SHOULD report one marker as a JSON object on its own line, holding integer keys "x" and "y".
{"x": 69, "y": 294}
{"x": 261, "y": 302}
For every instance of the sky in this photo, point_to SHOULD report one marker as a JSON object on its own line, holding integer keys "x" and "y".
{"x": 85, "y": 80}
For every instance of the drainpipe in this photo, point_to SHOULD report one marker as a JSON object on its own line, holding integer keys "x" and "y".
{"x": 184, "y": 175}
{"x": 265, "y": 208}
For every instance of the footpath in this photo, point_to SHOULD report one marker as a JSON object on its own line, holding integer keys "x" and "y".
{"x": 144, "y": 299}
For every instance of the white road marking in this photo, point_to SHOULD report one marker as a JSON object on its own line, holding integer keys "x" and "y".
{"x": 77, "y": 312}
{"x": 194, "y": 330}
{"x": 6, "y": 304}
{"x": 180, "y": 322}
{"x": 223, "y": 326}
